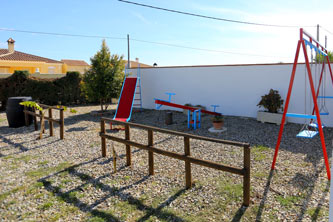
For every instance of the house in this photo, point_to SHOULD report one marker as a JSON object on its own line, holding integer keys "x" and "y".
{"x": 134, "y": 64}
{"x": 76, "y": 65}
{"x": 11, "y": 60}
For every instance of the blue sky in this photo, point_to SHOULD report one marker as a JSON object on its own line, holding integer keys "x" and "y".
{"x": 116, "y": 19}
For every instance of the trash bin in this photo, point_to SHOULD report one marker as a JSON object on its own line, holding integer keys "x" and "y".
{"x": 14, "y": 111}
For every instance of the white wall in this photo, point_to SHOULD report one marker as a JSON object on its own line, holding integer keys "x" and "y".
{"x": 237, "y": 88}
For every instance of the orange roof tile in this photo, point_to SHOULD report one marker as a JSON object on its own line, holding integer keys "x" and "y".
{"x": 74, "y": 62}
{"x": 21, "y": 56}
{"x": 135, "y": 64}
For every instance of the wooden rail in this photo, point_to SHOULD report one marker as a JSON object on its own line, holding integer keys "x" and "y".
{"x": 50, "y": 119}
{"x": 186, "y": 156}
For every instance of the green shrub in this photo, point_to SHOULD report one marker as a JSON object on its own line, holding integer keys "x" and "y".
{"x": 272, "y": 101}
{"x": 65, "y": 90}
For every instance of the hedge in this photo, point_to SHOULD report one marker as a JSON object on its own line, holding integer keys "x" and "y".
{"x": 65, "y": 90}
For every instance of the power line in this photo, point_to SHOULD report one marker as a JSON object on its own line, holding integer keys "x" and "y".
{"x": 326, "y": 30}
{"x": 203, "y": 49}
{"x": 214, "y": 18}
{"x": 137, "y": 40}
{"x": 61, "y": 34}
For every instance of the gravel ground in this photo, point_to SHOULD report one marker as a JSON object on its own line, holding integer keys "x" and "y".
{"x": 68, "y": 180}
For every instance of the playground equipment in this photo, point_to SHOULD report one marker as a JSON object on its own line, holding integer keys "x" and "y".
{"x": 130, "y": 96}
{"x": 138, "y": 96}
{"x": 193, "y": 114}
{"x": 125, "y": 104}
{"x": 320, "y": 50}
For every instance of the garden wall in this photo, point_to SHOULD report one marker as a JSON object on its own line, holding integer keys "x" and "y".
{"x": 236, "y": 88}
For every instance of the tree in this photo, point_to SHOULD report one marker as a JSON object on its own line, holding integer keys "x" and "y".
{"x": 320, "y": 58}
{"x": 104, "y": 79}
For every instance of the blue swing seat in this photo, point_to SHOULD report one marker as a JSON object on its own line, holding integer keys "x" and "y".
{"x": 305, "y": 116}
{"x": 307, "y": 134}
{"x": 326, "y": 97}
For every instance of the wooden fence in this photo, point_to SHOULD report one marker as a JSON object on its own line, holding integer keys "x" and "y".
{"x": 186, "y": 157}
{"x": 50, "y": 119}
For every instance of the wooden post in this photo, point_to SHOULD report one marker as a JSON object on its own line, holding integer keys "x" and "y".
{"x": 150, "y": 153}
{"x": 188, "y": 176}
{"x": 61, "y": 124}
{"x": 35, "y": 119}
{"x": 103, "y": 140}
{"x": 246, "y": 179}
{"x": 128, "y": 147}
{"x": 50, "y": 122}
{"x": 114, "y": 154}
{"x": 42, "y": 125}
{"x": 26, "y": 117}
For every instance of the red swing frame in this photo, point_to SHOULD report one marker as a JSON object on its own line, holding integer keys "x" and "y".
{"x": 301, "y": 42}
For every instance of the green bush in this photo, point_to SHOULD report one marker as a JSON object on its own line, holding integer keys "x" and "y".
{"x": 65, "y": 90}
{"x": 272, "y": 101}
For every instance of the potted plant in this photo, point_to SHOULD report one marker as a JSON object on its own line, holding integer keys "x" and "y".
{"x": 272, "y": 103}
{"x": 218, "y": 121}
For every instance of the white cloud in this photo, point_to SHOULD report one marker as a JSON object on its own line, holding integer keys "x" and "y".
{"x": 141, "y": 18}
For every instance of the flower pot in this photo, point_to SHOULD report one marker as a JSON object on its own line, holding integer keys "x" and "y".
{"x": 266, "y": 117}
{"x": 218, "y": 125}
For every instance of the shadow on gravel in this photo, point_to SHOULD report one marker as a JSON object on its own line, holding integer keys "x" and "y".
{"x": 308, "y": 183}
{"x": 264, "y": 198}
{"x": 122, "y": 156}
{"x": 20, "y": 146}
{"x": 111, "y": 192}
{"x": 305, "y": 182}
{"x": 76, "y": 129}
{"x": 239, "y": 214}
{"x": 71, "y": 120}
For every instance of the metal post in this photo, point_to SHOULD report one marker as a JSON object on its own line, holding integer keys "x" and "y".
{"x": 287, "y": 103}
{"x": 128, "y": 53}
{"x": 318, "y": 32}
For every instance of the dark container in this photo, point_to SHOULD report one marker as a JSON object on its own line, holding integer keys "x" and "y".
{"x": 168, "y": 118}
{"x": 14, "y": 111}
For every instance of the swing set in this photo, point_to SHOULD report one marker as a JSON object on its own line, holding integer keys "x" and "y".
{"x": 313, "y": 123}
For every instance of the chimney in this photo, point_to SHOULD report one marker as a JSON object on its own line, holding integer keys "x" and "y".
{"x": 10, "y": 45}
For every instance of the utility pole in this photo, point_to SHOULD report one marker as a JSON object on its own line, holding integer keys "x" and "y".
{"x": 128, "y": 53}
{"x": 325, "y": 42}
{"x": 318, "y": 32}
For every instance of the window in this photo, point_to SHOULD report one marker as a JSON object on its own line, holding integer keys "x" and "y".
{"x": 4, "y": 70}
{"x": 51, "y": 70}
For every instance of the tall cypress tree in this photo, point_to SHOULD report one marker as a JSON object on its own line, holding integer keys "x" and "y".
{"x": 104, "y": 79}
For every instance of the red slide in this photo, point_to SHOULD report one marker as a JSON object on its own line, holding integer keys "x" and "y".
{"x": 125, "y": 104}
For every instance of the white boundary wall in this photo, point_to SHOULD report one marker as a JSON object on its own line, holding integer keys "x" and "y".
{"x": 237, "y": 89}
